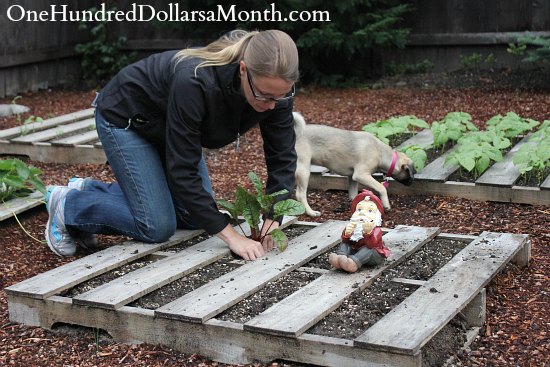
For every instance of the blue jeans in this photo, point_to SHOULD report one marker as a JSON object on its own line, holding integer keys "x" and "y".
{"x": 140, "y": 204}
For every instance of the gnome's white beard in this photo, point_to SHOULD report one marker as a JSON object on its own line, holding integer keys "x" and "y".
{"x": 358, "y": 231}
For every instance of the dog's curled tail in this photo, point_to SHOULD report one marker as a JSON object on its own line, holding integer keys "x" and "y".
{"x": 299, "y": 124}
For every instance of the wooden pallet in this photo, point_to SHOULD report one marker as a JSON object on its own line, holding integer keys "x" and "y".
{"x": 19, "y": 205}
{"x": 189, "y": 323}
{"x": 70, "y": 138}
{"x": 496, "y": 184}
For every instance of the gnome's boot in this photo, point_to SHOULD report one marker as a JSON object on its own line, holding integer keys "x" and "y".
{"x": 342, "y": 253}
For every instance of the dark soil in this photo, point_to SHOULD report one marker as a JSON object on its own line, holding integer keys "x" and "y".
{"x": 517, "y": 330}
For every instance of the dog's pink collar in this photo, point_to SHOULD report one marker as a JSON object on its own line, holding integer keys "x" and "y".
{"x": 390, "y": 171}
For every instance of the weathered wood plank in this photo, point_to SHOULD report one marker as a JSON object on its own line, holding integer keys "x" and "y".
{"x": 468, "y": 190}
{"x": 546, "y": 184}
{"x": 18, "y": 205}
{"x": 329, "y": 291}
{"x": 136, "y": 284}
{"x": 78, "y": 271}
{"x": 222, "y": 293}
{"x": 503, "y": 173}
{"x": 46, "y": 124}
{"x": 437, "y": 170}
{"x": 54, "y": 132}
{"x": 45, "y": 152}
{"x": 410, "y": 325}
{"x": 77, "y": 139}
{"x": 423, "y": 139}
{"x": 315, "y": 169}
{"x": 221, "y": 341}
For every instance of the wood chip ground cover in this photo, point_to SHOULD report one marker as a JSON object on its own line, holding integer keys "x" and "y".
{"x": 517, "y": 330}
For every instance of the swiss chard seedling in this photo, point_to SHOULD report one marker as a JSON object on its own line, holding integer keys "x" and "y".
{"x": 252, "y": 207}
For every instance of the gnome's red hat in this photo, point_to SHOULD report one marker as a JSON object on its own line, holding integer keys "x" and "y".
{"x": 362, "y": 195}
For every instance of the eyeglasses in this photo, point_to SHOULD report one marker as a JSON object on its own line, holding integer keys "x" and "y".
{"x": 261, "y": 98}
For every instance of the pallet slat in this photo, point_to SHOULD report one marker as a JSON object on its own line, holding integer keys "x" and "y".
{"x": 546, "y": 184}
{"x": 222, "y": 293}
{"x": 135, "y": 284}
{"x": 78, "y": 271}
{"x": 403, "y": 241}
{"x": 54, "y": 132}
{"x": 46, "y": 124}
{"x": 437, "y": 170}
{"x": 503, "y": 173}
{"x": 423, "y": 139}
{"x": 77, "y": 139}
{"x": 18, "y": 205}
{"x": 410, "y": 325}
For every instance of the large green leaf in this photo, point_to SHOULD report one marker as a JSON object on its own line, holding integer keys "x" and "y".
{"x": 249, "y": 206}
{"x": 280, "y": 239}
{"x": 230, "y": 207}
{"x": 288, "y": 207}
{"x": 257, "y": 182}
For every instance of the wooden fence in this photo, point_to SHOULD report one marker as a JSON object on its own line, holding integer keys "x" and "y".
{"x": 40, "y": 54}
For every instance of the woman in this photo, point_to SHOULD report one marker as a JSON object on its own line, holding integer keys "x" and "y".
{"x": 153, "y": 120}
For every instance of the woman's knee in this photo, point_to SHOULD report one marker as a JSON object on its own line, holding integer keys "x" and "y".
{"x": 160, "y": 231}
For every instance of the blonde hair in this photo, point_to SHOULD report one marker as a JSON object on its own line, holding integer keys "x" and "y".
{"x": 266, "y": 53}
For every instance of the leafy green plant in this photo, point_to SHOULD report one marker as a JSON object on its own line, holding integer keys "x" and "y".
{"x": 476, "y": 150}
{"x": 533, "y": 158}
{"x": 254, "y": 206}
{"x": 517, "y": 49}
{"x": 393, "y": 68}
{"x": 394, "y": 127}
{"x": 511, "y": 124}
{"x": 475, "y": 60}
{"x": 542, "y": 51}
{"x": 29, "y": 120}
{"x": 101, "y": 57}
{"x": 18, "y": 180}
{"x": 451, "y": 128}
{"x": 418, "y": 155}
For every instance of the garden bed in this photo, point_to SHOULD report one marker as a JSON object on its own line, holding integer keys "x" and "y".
{"x": 69, "y": 138}
{"x": 283, "y": 306}
{"x": 498, "y": 183}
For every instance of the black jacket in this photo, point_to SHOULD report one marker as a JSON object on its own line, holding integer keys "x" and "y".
{"x": 181, "y": 113}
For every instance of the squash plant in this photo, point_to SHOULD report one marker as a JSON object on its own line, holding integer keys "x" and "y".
{"x": 394, "y": 127}
{"x": 18, "y": 180}
{"x": 451, "y": 128}
{"x": 475, "y": 150}
{"x": 511, "y": 124}
{"x": 253, "y": 206}
{"x": 533, "y": 157}
{"x": 418, "y": 155}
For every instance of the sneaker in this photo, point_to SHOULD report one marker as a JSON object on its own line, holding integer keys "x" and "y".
{"x": 78, "y": 183}
{"x": 58, "y": 238}
{"x": 84, "y": 239}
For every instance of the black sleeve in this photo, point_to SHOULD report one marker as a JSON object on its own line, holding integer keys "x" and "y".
{"x": 280, "y": 155}
{"x": 186, "y": 110}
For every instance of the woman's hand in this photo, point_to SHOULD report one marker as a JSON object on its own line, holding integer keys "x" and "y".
{"x": 244, "y": 247}
{"x": 269, "y": 225}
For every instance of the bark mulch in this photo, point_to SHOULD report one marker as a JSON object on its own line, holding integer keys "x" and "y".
{"x": 517, "y": 329}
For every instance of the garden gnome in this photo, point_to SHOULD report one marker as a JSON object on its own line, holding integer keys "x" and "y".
{"x": 362, "y": 238}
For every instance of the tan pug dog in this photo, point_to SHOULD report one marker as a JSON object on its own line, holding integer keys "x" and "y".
{"x": 356, "y": 154}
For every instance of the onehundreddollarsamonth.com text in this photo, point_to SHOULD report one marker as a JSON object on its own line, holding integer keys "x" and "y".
{"x": 173, "y": 13}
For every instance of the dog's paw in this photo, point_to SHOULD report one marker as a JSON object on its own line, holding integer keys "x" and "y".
{"x": 313, "y": 213}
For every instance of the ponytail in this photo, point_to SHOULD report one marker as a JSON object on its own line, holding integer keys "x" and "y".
{"x": 267, "y": 53}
